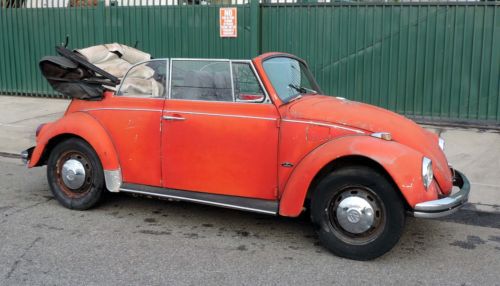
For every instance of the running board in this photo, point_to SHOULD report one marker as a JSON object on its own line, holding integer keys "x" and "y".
{"x": 225, "y": 201}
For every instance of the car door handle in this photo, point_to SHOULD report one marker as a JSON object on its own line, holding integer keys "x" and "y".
{"x": 166, "y": 117}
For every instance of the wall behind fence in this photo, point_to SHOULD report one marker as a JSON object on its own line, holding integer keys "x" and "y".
{"x": 439, "y": 61}
{"x": 422, "y": 60}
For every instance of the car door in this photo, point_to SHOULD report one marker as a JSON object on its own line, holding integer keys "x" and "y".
{"x": 132, "y": 117}
{"x": 220, "y": 130}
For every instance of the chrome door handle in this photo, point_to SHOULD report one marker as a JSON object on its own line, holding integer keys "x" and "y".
{"x": 166, "y": 117}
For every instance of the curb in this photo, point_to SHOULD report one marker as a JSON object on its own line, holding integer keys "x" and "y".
{"x": 10, "y": 155}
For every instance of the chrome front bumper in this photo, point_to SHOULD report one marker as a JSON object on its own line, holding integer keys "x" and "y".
{"x": 448, "y": 205}
{"x": 26, "y": 155}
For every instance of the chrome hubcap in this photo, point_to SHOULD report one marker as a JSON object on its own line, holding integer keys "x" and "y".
{"x": 355, "y": 215}
{"x": 73, "y": 174}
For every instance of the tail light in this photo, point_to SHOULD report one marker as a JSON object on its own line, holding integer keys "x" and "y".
{"x": 38, "y": 129}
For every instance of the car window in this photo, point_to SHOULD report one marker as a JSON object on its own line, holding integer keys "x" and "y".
{"x": 246, "y": 84}
{"x": 145, "y": 80}
{"x": 201, "y": 80}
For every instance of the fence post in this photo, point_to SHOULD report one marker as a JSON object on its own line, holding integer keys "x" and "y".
{"x": 255, "y": 33}
{"x": 100, "y": 24}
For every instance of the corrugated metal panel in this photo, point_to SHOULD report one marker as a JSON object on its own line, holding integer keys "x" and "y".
{"x": 424, "y": 60}
{"x": 28, "y": 34}
{"x": 427, "y": 60}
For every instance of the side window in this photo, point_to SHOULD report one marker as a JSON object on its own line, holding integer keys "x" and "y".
{"x": 246, "y": 85}
{"x": 201, "y": 80}
{"x": 145, "y": 80}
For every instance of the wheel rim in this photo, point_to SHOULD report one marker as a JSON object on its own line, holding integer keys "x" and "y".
{"x": 74, "y": 174}
{"x": 357, "y": 215}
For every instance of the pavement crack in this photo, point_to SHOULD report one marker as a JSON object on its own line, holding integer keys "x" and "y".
{"x": 30, "y": 206}
{"x": 16, "y": 263}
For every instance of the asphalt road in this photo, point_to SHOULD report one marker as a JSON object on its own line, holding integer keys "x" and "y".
{"x": 132, "y": 241}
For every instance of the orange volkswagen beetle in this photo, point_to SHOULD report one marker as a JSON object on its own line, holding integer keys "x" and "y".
{"x": 254, "y": 135}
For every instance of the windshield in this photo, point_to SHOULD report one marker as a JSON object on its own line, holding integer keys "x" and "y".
{"x": 290, "y": 78}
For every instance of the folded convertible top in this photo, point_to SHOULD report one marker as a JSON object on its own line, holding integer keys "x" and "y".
{"x": 86, "y": 73}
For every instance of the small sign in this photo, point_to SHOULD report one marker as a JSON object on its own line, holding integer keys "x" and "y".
{"x": 228, "y": 20}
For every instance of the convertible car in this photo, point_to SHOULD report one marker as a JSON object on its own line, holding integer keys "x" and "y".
{"x": 254, "y": 135}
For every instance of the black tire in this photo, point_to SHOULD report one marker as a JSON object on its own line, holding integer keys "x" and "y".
{"x": 332, "y": 219}
{"x": 90, "y": 192}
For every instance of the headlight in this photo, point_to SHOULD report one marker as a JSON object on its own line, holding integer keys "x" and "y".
{"x": 441, "y": 143}
{"x": 427, "y": 174}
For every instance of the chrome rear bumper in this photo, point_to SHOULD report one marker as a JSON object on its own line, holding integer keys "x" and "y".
{"x": 448, "y": 205}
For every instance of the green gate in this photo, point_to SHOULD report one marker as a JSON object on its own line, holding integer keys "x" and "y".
{"x": 425, "y": 60}
{"x": 436, "y": 60}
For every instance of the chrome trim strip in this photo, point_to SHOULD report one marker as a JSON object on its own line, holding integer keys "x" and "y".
{"x": 201, "y": 59}
{"x": 448, "y": 205}
{"x": 113, "y": 179}
{"x": 223, "y": 115}
{"x": 207, "y": 202}
{"x": 123, "y": 108}
{"x": 166, "y": 117}
{"x": 169, "y": 81}
{"x": 231, "y": 76}
{"x": 323, "y": 124}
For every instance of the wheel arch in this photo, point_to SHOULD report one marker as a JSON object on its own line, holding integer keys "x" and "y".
{"x": 352, "y": 161}
{"x": 52, "y": 143}
{"x": 85, "y": 127}
{"x": 401, "y": 164}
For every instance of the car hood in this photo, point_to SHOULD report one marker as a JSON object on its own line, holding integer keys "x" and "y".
{"x": 373, "y": 119}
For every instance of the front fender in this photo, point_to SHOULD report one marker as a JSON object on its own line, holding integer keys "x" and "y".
{"x": 83, "y": 125}
{"x": 402, "y": 163}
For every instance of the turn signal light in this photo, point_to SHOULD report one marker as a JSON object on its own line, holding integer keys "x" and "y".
{"x": 383, "y": 135}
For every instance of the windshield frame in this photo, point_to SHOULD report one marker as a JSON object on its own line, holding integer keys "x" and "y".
{"x": 307, "y": 72}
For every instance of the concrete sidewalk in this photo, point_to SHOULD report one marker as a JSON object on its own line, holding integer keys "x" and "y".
{"x": 474, "y": 152}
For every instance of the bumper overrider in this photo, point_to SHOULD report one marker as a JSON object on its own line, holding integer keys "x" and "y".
{"x": 448, "y": 205}
{"x": 26, "y": 155}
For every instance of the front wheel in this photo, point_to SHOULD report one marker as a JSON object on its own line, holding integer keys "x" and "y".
{"x": 75, "y": 174}
{"x": 358, "y": 213}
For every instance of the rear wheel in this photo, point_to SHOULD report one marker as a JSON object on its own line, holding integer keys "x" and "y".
{"x": 358, "y": 213}
{"x": 75, "y": 174}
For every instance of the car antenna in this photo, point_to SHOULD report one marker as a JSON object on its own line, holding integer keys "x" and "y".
{"x": 66, "y": 41}
{"x": 136, "y": 44}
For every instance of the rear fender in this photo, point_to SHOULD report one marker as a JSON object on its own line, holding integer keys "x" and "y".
{"x": 83, "y": 125}
{"x": 402, "y": 163}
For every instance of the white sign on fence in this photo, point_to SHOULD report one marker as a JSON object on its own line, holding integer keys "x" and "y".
{"x": 228, "y": 21}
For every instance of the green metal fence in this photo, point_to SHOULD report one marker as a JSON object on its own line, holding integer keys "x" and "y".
{"x": 28, "y": 34}
{"x": 423, "y": 60}
{"x": 426, "y": 60}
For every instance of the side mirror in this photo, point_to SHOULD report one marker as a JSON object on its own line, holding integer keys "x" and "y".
{"x": 250, "y": 98}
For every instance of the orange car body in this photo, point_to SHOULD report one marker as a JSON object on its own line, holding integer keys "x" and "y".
{"x": 269, "y": 151}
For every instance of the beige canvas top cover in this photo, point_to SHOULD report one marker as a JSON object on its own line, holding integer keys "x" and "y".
{"x": 117, "y": 59}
